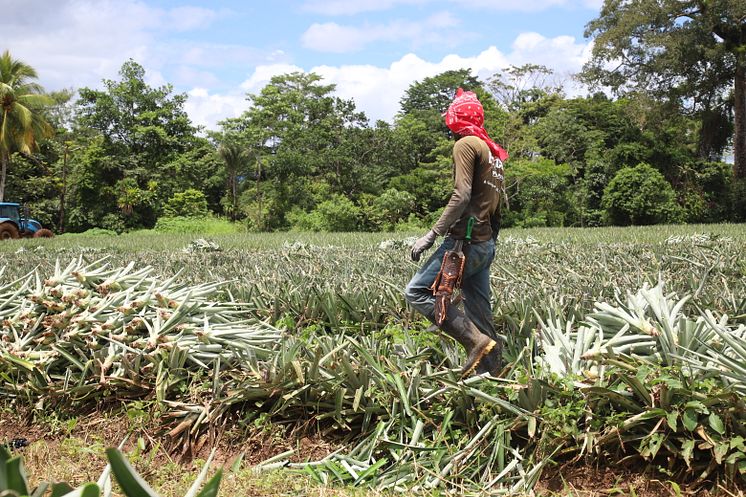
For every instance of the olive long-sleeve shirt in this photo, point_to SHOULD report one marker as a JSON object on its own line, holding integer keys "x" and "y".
{"x": 478, "y": 184}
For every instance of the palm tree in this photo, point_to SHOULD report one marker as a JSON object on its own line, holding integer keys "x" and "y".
{"x": 21, "y": 121}
{"x": 235, "y": 158}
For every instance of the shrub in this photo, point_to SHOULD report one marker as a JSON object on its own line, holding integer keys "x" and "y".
{"x": 113, "y": 222}
{"x": 412, "y": 223}
{"x": 738, "y": 200}
{"x": 99, "y": 232}
{"x": 338, "y": 213}
{"x": 393, "y": 206}
{"x": 640, "y": 195}
{"x": 197, "y": 225}
{"x": 189, "y": 203}
{"x": 383, "y": 212}
{"x": 704, "y": 191}
{"x": 304, "y": 221}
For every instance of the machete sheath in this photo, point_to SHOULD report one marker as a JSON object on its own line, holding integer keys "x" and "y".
{"x": 449, "y": 276}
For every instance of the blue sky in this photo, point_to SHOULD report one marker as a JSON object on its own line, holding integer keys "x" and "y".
{"x": 218, "y": 51}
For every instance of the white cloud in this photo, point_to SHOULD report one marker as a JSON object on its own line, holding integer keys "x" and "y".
{"x": 563, "y": 54}
{"x": 206, "y": 109}
{"x": 189, "y": 76}
{"x": 378, "y": 90}
{"x": 78, "y": 38}
{"x": 331, "y": 37}
{"x": 593, "y": 4}
{"x": 560, "y": 53}
{"x": 514, "y": 5}
{"x": 80, "y": 42}
{"x": 336, "y": 38}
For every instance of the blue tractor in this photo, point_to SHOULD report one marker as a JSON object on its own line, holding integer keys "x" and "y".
{"x": 15, "y": 223}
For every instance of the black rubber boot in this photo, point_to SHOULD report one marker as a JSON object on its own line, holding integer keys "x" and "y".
{"x": 492, "y": 362}
{"x": 477, "y": 344}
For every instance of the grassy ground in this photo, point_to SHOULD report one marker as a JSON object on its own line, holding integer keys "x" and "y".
{"x": 153, "y": 242}
{"x": 72, "y": 450}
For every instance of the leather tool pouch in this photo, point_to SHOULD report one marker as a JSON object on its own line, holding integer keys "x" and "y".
{"x": 447, "y": 280}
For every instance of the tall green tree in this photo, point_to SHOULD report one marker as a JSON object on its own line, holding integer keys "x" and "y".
{"x": 692, "y": 52}
{"x": 145, "y": 132}
{"x": 435, "y": 93}
{"x": 528, "y": 93}
{"x": 38, "y": 179}
{"x": 426, "y": 101}
{"x": 22, "y": 122}
{"x": 235, "y": 157}
{"x": 303, "y": 138}
{"x": 640, "y": 195}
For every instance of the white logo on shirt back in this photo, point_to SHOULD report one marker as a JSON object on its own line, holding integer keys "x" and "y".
{"x": 498, "y": 174}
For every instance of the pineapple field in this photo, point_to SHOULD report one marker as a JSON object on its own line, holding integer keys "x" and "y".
{"x": 626, "y": 350}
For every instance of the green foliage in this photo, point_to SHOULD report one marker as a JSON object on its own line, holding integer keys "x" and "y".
{"x": 704, "y": 191}
{"x": 236, "y": 160}
{"x": 125, "y": 155}
{"x": 434, "y": 94}
{"x": 689, "y": 53}
{"x": 538, "y": 192}
{"x": 92, "y": 232}
{"x": 413, "y": 224}
{"x": 22, "y": 122}
{"x": 334, "y": 214}
{"x": 189, "y": 203}
{"x": 383, "y": 212}
{"x": 206, "y": 225}
{"x": 113, "y": 222}
{"x": 142, "y": 132}
{"x": 304, "y": 137}
{"x": 14, "y": 482}
{"x": 640, "y": 195}
{"x": 605, "y": 379}
{"x": 738, "y": 200}
{"x": 304, "y": 221}
{"x": 338, "y": 214}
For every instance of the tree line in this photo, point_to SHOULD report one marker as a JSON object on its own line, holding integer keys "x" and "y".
{"x": 647, "y": 150}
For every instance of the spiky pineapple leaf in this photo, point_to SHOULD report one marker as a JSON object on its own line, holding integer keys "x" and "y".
{"x": 87, "y": 490}
{"x": 128, "y": 478}
{"x": 60, "y": 489}
{"x": 211, "y": 487}
{"x": 16, "y": 476}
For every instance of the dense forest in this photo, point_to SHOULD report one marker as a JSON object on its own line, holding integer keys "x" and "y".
{"x": 645, "y": 146}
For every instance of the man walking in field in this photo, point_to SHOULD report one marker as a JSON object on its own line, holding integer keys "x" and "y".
{"x": 478, "y": 186}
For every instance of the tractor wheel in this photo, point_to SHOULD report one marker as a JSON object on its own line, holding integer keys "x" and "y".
{"x": 8, "y": 231}
{"x": 43, "y": 233}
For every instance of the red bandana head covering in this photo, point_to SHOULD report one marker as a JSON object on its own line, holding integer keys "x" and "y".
{"x": 465, "y": 116}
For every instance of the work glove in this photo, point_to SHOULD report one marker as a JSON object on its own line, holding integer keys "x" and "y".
{"x": 423, "y": 244}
